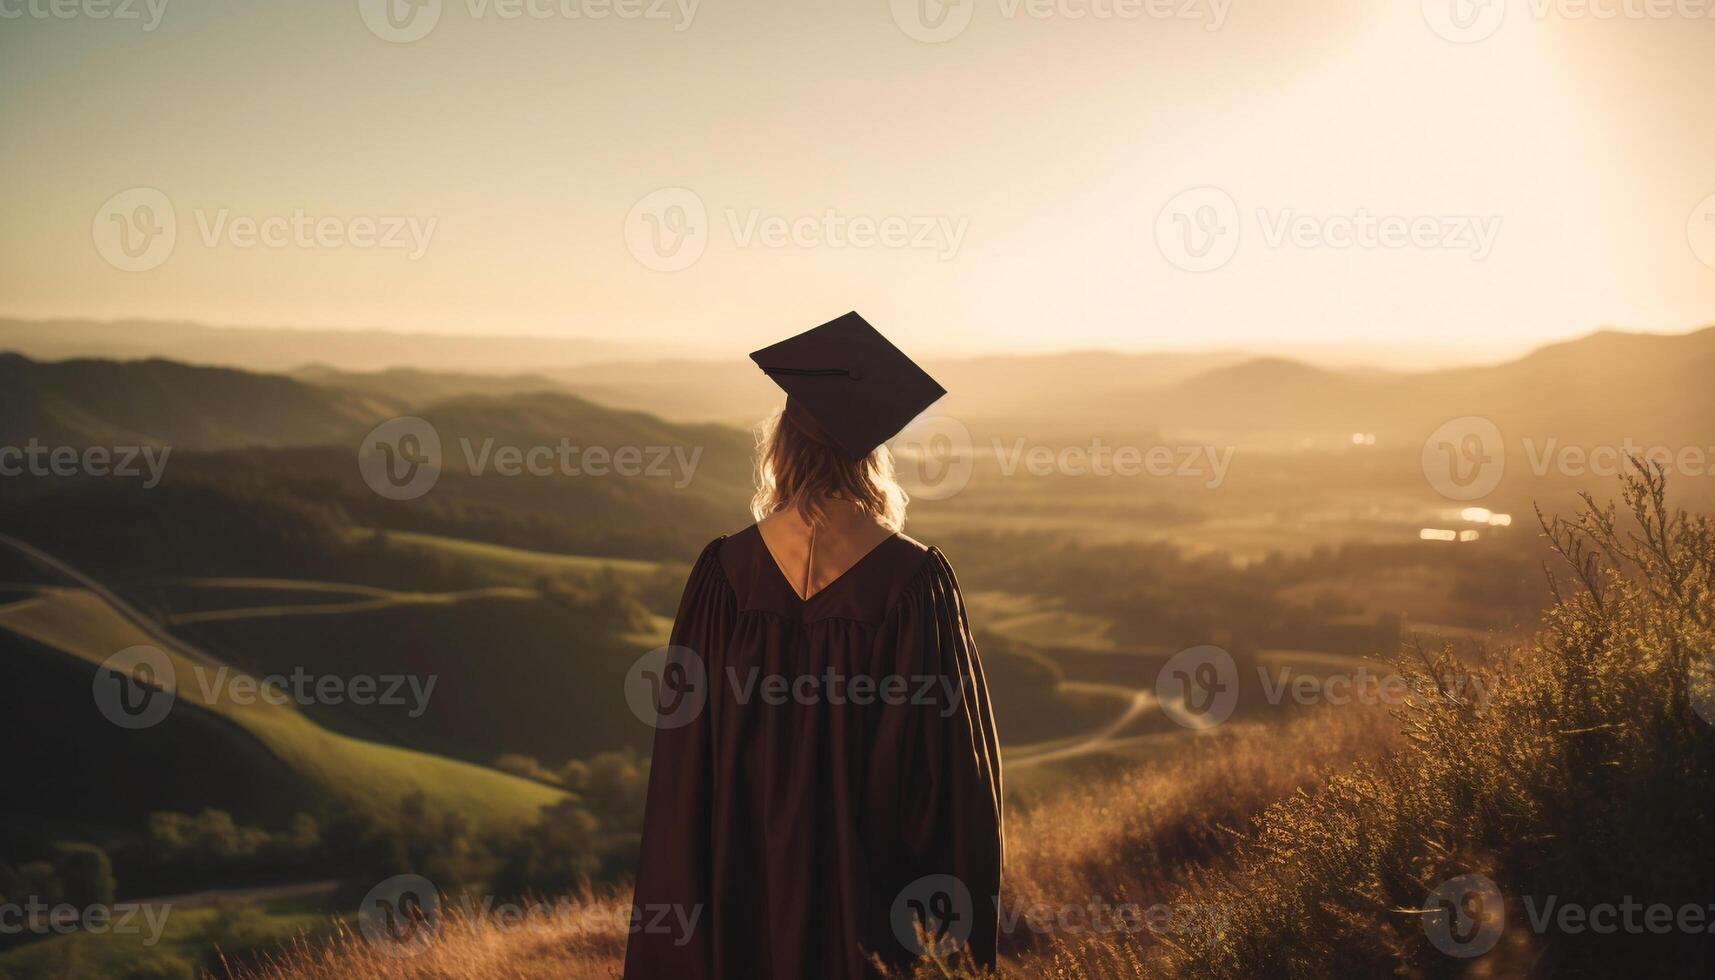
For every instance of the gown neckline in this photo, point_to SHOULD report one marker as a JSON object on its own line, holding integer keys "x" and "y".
{"x": 780, "y": 573}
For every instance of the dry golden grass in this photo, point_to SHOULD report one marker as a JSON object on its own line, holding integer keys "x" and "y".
{"x": 1139, "y": 838}
{"x": 584, "y": 937}
{"x": 1126, "y": 838}
{"x": 1585, "y": 775}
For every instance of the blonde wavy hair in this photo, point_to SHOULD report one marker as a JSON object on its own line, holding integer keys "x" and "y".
{"x": 799, "y": 467}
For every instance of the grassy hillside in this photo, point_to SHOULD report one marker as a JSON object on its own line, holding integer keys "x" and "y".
{"x": 80, "y": 626}
{"x": 520, "y": 673}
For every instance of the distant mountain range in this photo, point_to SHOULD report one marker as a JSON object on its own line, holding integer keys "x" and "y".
{"x": 1013, "y": 387}
{"x": 267, "y": 433}
{"x": 157, "y": 402}
{"x": 1607, "y": 387}
{"x": 417, "y": 387}
{"x": 279, "y": 350}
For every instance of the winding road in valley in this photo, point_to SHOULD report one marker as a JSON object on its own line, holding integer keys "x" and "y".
{"x": 1105, "y": 738}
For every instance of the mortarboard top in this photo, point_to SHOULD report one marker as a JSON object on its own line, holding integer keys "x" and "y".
{"x": 861, "y": 388}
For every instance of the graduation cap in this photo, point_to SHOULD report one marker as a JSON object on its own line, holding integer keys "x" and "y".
{"x": 861, "y": 388}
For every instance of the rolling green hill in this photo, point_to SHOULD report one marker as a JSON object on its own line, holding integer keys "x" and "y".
{"x": 247, "y": 758}
{"x": 514, "y": 673}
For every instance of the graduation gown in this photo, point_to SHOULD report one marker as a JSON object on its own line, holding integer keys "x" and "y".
{"x": 841, "y": 776}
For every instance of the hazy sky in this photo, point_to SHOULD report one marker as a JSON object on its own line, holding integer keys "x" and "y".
{"x": 1364, "y": 179}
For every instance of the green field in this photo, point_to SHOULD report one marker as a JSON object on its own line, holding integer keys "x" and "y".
{"x": 188, "y": 932}
{"x": 504, "y": 563}
{"x": 78, "y": 624}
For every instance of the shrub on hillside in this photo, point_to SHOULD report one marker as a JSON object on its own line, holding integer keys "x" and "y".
{"x": 1585, "y": 779}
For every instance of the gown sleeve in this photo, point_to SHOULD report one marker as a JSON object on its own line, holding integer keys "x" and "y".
{"x": 935, "y": 783}
{"x": 673, "y": 871}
